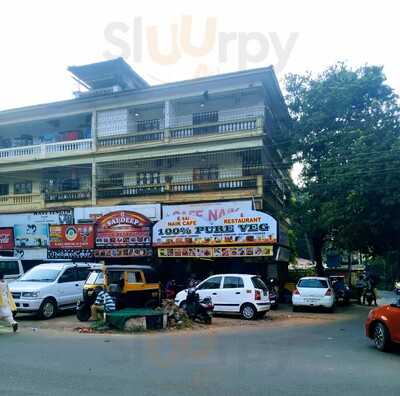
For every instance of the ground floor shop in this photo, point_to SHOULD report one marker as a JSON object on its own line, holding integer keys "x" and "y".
{"x": 180, "y": 241}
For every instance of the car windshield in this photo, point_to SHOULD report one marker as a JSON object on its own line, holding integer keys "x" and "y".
{"x": 258, "y": 283}
{"x": 313, "y": 283}
{"x": 95, "y": 278}
{"x": 40, "y": 275}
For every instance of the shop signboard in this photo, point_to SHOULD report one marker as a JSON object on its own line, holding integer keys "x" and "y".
{"x": 247, "y": 227}
{"x": 62, "y": 216}
{"x": 210, "y": 211}
{"x": 31, "y": 235}
{"x": 123, "y": 252}
{"x": 70, "y": 254}
{"x": 73, "y": 236}
{"x": 92, "y": 214}
{"x": 6, "y": 238}
{"x": 226, "y": 251}
{"x": 123, "y": 229}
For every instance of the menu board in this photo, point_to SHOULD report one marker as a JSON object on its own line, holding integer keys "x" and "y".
{"x": 76, "y": 236}
{"x": 123, "y": 229}
{"x": 247, "y": 227}
{"x": 227, "y": 251}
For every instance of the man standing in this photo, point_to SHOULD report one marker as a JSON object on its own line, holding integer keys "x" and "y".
{"x": 7, "y": 305}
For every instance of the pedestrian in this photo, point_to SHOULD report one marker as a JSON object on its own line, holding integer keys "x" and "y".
{"x": 104, "y": 304}
{"x": 7, "y": 305}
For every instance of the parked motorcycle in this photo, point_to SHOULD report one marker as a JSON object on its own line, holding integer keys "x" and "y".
{"x": 197, "y": 309}
{"x": 83, "y": 308}
{"x": 272, "y": 286}
{"x": 369, "y": 296}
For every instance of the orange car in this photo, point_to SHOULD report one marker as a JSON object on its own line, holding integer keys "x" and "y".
{"x": 383, "y": 326}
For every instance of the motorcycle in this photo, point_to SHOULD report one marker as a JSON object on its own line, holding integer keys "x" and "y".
{"x": 369, "y": 296}
{"x": 83, "y": 307}
{"x": 197, "y": 309}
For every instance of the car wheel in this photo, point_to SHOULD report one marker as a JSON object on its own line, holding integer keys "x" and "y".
{"x": 183, "y": 305}
{"x": 48, "y": 309}
{"x": 331, "y": 309}
{"x": 381, "y": 337}
{"x": 248, "y": 312}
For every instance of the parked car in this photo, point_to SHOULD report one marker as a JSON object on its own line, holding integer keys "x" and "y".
{"x": 383, "y": 326}
{"x": 50, "y": 287}
{"x": 313, "y": 291}
{"x": 11, "y": 267}
{"x": 233, "y": 293}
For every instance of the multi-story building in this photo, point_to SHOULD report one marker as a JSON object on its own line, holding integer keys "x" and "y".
{"x": 121, "y": 141}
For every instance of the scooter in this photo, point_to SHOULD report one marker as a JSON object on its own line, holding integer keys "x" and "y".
{"x": 197, "y": 309}
{"x": 83, "y": 307}
{"x": 369, "y": 296}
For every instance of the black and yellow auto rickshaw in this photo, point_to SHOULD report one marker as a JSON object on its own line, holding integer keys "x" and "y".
{"x": 133, "y": 286}
{"x": 94, "y": 282}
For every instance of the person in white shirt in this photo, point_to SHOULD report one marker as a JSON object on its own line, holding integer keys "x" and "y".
{"x": 7, "y": 305}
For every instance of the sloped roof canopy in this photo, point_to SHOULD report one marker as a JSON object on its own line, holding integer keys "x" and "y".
{"x": 107, "y": 74}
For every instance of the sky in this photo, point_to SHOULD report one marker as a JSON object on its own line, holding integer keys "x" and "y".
{"x": 175, "y": 40}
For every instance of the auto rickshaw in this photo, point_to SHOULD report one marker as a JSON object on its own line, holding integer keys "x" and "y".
{"x": 94, "y": 281}
{"x": 133, "y": 286}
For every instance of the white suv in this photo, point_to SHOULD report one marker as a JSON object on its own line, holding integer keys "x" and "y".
{"x": 233, "y": 293}
{"x": 49, "y": 287}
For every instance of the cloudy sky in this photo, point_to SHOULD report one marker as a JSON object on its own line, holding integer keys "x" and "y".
{"x": 175, "y": 40}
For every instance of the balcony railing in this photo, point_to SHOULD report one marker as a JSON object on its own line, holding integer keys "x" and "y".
{"x": 225, "y": 127}
{"x": 20, "y": 199}
{"x": 228, "y": 184}
{"x": 43, "y": 151}
{"x": 63, "y": 196}
{"x": 131, "y": 139}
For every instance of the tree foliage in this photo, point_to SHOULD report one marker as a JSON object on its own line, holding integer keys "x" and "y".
{"x": 346, "y": 134}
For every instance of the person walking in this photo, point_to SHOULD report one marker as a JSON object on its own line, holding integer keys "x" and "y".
{"x": 7, "y": 305}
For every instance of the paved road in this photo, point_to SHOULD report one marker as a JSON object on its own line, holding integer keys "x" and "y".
{"x": 316, "y": 358}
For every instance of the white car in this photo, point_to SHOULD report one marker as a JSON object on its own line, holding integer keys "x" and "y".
{"x": 314, "y": 292}
{"x": 11, "y": 267}
{"x": 233, "y": 293}
{"x": 50, "y": 287}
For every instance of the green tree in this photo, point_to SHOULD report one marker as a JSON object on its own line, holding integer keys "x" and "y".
{"x": 346, "y": 131}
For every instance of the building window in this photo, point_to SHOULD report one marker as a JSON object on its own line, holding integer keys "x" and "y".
{"x": 148, "y": 125}
{"x": 145, "y": 178}
{"x": 71, "y": 184}
{"x": 207, "y": 117}
{"x": 23, "y": 187}
{"x": 3, "y": 189}
{"x": 200, "y": 174}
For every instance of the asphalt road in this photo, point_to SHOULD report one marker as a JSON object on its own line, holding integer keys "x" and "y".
{"x": 316, "y": 358}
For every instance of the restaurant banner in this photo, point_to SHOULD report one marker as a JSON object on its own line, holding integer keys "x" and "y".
{"x": 228, "y": 251}
{"x": 210, "y": 211}
{"x": 123, "y": 229}
{"x": 75, "y": 236}
{"x": 6, "y": 239}
{"x": 62, "y": 216}
{"x": 248, "y": 227}
{"x": 31, "y": 235}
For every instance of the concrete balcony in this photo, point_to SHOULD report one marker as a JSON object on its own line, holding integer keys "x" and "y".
{"x": 224, "y": 188}
{"x": 67, "y": 196}
{"x": 240, "y": 127}
{"x": 21, "y": 202}
{"x": 46, "y": 151}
